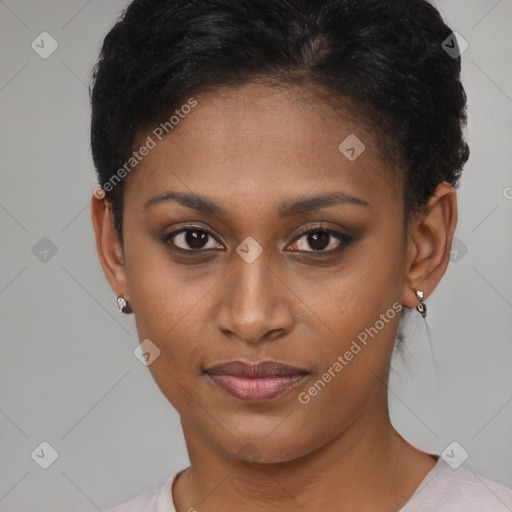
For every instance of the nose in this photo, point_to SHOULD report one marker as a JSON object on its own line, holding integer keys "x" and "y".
{"x": 255, "y": 303}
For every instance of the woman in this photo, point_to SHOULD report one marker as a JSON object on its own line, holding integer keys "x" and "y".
{"x": 277, "y": 184}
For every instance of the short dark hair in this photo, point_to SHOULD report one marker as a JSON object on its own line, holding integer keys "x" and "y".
{"x": 383, "y": 57}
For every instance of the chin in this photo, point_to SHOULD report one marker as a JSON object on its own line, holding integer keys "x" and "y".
{"x": 266, "y": 445}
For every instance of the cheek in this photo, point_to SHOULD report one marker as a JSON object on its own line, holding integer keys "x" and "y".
{"x": 160, "y": 291}
{"x": 171, "y": 319}
{"x": 167, "y": 312}
{"x": 358, "y": 313}
{"x": 178, "y": 333}
{"x": 354, "y": 351}
{"x": 353, "y": 297}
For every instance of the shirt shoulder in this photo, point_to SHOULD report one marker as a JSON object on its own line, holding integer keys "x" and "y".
{"x": 445, "y": 489}
{"x": 158, "y": 499}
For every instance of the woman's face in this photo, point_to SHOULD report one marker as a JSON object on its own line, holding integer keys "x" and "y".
{"x": 246, "y": 283}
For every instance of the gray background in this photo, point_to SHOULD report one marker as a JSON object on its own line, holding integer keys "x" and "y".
{"x": 68, "y": 375}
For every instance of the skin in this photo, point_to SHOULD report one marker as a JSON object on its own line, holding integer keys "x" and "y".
{"x": 250, "y": 149}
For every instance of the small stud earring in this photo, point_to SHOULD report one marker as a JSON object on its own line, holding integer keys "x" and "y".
{"x": 421, "y": 307}
{"x": 99, "y": 193}
{"x": 122, "y": 304}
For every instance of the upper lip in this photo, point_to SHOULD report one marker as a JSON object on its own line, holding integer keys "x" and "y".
{"x": 268, "y": 368}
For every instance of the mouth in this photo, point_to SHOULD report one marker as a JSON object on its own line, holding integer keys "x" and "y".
{"x": 258, "y": 382}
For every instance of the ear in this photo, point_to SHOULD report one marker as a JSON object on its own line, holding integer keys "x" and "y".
{"x": 429, "y": 244}
{"x": 108, "y": 246}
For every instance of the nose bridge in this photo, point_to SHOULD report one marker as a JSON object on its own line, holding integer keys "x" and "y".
{"x": 252, "y": 305}
{"x": 252, "y": 283}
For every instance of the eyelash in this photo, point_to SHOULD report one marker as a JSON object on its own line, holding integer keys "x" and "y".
{"x": 344, "y": 239}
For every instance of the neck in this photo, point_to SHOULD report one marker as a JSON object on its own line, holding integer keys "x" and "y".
{"x": 369, "y": 466}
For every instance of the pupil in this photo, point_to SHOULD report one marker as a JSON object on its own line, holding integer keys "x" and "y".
{"x": 318, "y": 239}
{"x": 196, "y": 238}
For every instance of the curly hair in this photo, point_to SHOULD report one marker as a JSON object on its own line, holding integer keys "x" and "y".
{"x": 383, "y": 58}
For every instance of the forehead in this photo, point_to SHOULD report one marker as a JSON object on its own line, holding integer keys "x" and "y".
{"x": 260, "y": 141}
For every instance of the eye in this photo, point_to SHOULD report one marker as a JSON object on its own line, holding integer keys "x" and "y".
{"x": 191, "y": 239}
{"x": 321, "y": 239}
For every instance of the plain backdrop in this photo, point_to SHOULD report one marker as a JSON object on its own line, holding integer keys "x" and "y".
{"x": 68, "y": 375}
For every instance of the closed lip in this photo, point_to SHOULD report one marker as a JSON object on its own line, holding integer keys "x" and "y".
{"x": 255, "y": 382}
{"x": 262, "y": 369}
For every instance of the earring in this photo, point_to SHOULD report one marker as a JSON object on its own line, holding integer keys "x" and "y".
{"x": 421, "y": 307}
{"x": 99, "y": 193}
{"x": 122, "y": 304}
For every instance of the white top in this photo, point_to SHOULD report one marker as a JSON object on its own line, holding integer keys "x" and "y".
{"x": 443, "y": 490}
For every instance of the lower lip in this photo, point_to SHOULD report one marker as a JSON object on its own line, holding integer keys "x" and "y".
{"x": 256, "y": 389}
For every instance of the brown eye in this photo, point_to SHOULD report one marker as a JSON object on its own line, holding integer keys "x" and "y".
{"x": 192, "y": 239}
{"x": 321, "y": 240}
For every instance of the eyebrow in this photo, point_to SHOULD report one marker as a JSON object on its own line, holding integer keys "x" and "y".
{"x": 286, "y": 209}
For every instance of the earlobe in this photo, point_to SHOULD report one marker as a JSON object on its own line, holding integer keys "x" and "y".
{"x": 429, "y": 244}
{"x": 108, "y": 245}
